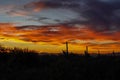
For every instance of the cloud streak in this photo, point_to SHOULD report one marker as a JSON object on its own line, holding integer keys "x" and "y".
{"x": 100, "y": 15}
{"x": 95, "y": 22}
{"x": 55, "y": 34}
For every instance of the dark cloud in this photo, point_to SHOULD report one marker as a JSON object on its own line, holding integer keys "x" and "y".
{"x": 100, "y": 14}
{"x": 55, "y": 3}
{"x": 27, "y": 27}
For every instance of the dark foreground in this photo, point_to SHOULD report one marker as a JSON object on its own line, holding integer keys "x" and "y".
{"x": 31, "y": 66}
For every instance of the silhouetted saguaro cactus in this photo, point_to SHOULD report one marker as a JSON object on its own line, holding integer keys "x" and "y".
{"x": 98, "y": 51}
{"x": 86, "y": 52}
{"x": 98, "y": 54}
{"x": 113, "y": 53}
{"x": 67, "y": 50}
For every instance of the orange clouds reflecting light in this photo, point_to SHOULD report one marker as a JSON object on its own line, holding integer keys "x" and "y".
{"x": 57, "y": 35}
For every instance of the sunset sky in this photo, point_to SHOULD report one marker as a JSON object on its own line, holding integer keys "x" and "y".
{"x": 45, "y": 25}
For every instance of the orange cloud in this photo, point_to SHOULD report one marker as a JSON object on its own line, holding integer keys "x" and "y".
{"x": 35, "y": 6}
{"x": 55, "y": 33}
{"x": 59, "y": 34}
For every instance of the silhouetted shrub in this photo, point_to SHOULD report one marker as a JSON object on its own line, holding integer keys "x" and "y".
{"x": 23, "y": 64}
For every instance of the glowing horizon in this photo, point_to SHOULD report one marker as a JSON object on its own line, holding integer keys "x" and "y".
{"x": 45, "y": 25}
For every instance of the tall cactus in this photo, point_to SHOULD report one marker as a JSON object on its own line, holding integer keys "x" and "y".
{"x": 67, "y": 48}
{"x": 87, "y": 52}
{"x": 66, "y": 52}
{"x": 113, "y": 53}
{"x": 98, "y": 51}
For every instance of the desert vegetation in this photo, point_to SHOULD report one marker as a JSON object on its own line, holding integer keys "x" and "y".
{"x": 24, "y": 64}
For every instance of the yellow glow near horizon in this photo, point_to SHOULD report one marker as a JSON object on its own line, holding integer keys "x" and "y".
{"x": 51, "y": 39}
{"x": 49, "y": 48}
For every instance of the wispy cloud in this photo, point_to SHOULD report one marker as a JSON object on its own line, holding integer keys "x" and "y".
{"x": 96, "y": 22}
{"x": 100, "y": 15}
{"x": 55, "y": 33}
{"x": 18, "y": 13}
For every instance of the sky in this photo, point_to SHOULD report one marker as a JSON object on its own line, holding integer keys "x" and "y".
{"x": 45, "y": 25}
